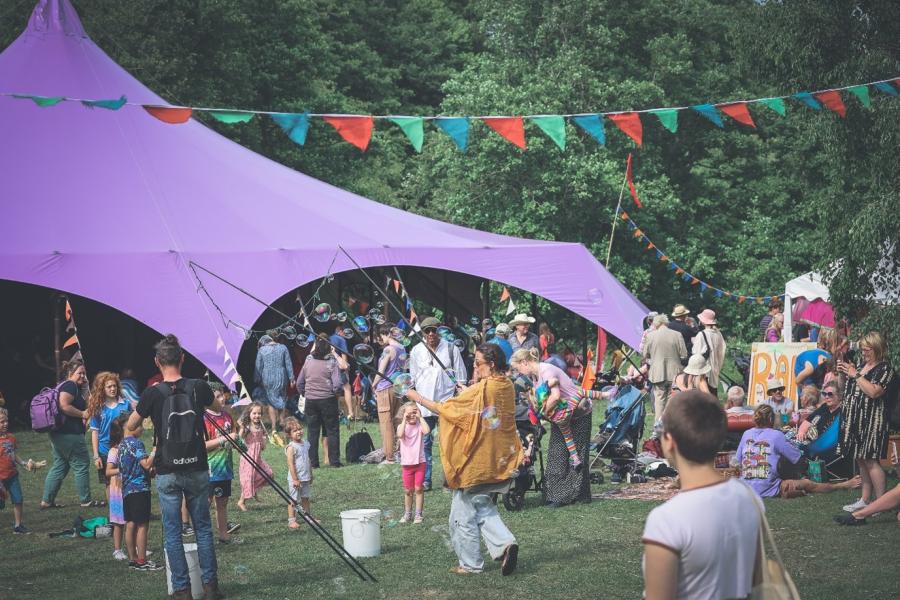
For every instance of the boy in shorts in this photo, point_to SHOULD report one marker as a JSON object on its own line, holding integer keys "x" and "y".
{"x": 133, "y": 464}
{"x": 218, "y": 455}
{"x": 9, "y": 473}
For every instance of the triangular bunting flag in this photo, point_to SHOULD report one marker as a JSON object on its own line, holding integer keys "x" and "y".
{"x": 679, "y": 270}
{"x": 397, "y": 286}
{"x": 808, "y": 100}
{"x": 510, "y": 128}
{"x": 71, "y": 341}
{"x": 717, "y": 293}
{"x": 694, "y": 281}
{"x": 413, "y": 128}
{"x": 219, "y": 343}
{"x": 356, "y": 130}
{"x": 861, "y": 92}
{"x": 172, "y": 116}
{"x": 230, "y": 117}
{"x": 593, "y": 126}
{"x": 742, "y": 299}
{"x": 630, "y": 124}
{"x": 668, "y": 117}
{"x": 686, "y": 276}
{"x": 511, "y": 308}
{"x": 408, "y": 304}
{"x": 504, "y": 296}
{"x": 776, "y": 104}
{"x": 833, "y": 101}
{"x": 107, "y": 104}
{"x": 650, "y": 246}
{"x": 624, "y": 216}
{"x": 457, "y": 128}
{"x": 554, "y": 127}
{"x": 227, "y": 357}
{"x": 413, "y": 317}
{"x": 703, "y": 287}
{"x": 628, "y": 176}
{"x": 229, "y": 366}
{"x": 295, "y": 125}
{"x": 42, "y": 101}
{"x": 672, "y": 266}
{"x": 234, "y": 379}
{"x": 68, "y": 311}
{"x": 739, "y": 112}
{"x": 709, "y": 111}
{"x": 887, "y": 88}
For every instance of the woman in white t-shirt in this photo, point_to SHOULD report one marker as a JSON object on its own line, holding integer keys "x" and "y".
{"x": 703, "y": 542}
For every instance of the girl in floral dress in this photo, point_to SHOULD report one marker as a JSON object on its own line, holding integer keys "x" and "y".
{"x": 253, "y": 433}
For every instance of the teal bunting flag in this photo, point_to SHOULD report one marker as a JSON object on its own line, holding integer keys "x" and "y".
{"x": 718, "y": 293}
{"x": 672, "y": 266}
{"x": 107, "y": 104}
{"x": 295, "y": 125}
{"x": 413, "y": 128}
{"x": 457, "y": 128}
{"x": 710, "y": 112}
{"x": 42, "y": 101}
{"x": 703, "y": 287}
{"x": 861, "y": 92}
{"x": 230, "y": 117}
{"x": 686, "y": 276}
{"x": 554, "y": 127}
{"x": 668, "y": 117}
{"x": 887, "y": 88}
{"x": 593, "y": 126}
{"x": 776, "y": 104}
{"x": 808, "y": 100}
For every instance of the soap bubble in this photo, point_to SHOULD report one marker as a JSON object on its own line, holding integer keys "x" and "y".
{"x": 363, "y": 353}
{"x": 542, "y": 393}
{"x": 474, "y": 320}
{"x": 406, "y": 341}
{"x": 376, "y": 316}
{"x": 595, "y": 295}
{"x": 403, "y": 382}
{"x": 470, "y": 331}
{"x": 360, "y": 324}
{"x": 388, "y": 518}
{"x": 289, "y": 332}
{"x": 489, "y": 417}
{"x": 340, "y": 317}
{"x": 322, "y": 312}
{"x": 461, "y": 344}
{"x": 403, "y": 361}
{"x": 347, "y": 333}
{"x": 450, "y": 338}
{"x": 242, "y": 574}
{"x": 305, "y": 340}
{"x": 397, "y": 333}
{"x": 443, "y": 331}
{"x": 487, "y": 323}
{"x": 379, "y": 305}
{"x": 490, "y": 333}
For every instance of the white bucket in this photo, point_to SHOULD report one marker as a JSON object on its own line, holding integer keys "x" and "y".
{"x": 193, "y": 563}
{"x": 362, "y": 531}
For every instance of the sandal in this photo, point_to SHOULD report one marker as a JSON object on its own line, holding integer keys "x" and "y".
{"x": 457, "y": 570}
{"x": 93, "y": 504}
{"x": 51, "y": 505}
{"x": 510, "y": 556}
{"x": 848, "y": 519}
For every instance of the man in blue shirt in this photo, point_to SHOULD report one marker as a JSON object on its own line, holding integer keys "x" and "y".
{"x": 500, "y": 335}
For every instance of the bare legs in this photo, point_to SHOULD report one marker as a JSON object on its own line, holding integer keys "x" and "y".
{"x": 873, "y": 479}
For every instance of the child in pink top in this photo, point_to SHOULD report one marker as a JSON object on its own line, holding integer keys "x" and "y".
{"x": 411, "y": 432}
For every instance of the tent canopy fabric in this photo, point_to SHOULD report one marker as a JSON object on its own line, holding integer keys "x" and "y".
{"x": 118, "y": 206}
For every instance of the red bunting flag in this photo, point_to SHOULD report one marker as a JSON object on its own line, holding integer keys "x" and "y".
{"x": 695, "y": 281}
{"x": 679, "y": 271}
{"x": 742, "y": 299}
{"x": 172, "y": 116}
{"x": 68, "y": 311}
{"x": 511, "y": 128}
{"x": 396, "y": 285}
{"x": 505, "y": 295}
{"x": 664, "y": 258}
{"x": 630, "y": 124}
{"x": 631, "y": 189}
{"x": 738, "y": 111}
{"x": 650, "y": 246}
{"x": 356, "y": 130}
{"x": 638, "y": 233}
{"x": 832, "y": 101}
{"x": 71, "y": 341}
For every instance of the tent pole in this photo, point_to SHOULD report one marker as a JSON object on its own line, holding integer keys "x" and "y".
{"x": 612, "y": 233}
{"x": 57, "y": 337}
{"x": 485, "y": 298}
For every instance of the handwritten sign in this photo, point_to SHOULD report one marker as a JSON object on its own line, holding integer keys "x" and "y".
{"x": 774, "y": 360}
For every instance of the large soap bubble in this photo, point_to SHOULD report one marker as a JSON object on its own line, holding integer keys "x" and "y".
{"x": 361, "y": 324}
{"x": 363, "y": 353}
{"x": 347, "y": 333}
{"x": 322, "y": 312}
{"x": 443, "y": 331}
{"x": 340, "y": 317}
{"x": 403, "y": 382}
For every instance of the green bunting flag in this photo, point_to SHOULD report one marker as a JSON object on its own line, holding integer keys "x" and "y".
{"x": 776, "y": 104}
{"x": 668, "y": 117}
{"x": 107, "y": 104}
{"x": 229, "y": 117}
{"x": 42, "y": 101}
{"x": 413, "y": 128}
{"x": 861, "y": 92}
{"x": 554, "y": 127}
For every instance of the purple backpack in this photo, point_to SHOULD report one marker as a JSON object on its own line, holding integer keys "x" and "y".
{"x": 45, "y": 413}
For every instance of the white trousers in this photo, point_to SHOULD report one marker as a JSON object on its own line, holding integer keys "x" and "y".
{"x": 471, "y": 515}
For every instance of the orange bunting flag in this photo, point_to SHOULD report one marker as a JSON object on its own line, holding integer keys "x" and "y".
{"x": 695, "y": 281}
{"x": 356, "y": 130}
{"x": 628, "y": 176}
{"x": 738, "y": 111}
{"x": 638, "y": 233}
{"x": 511, "y": 128}
{"x": 832, "y": 101}
{"x": 664, "y": 258}
{"x": 630, "y": 124}
{"x": 71, "y": 341}
{"x": 397, "y": 285}
{"x": 742, "y": 299}
{"x": 505, "y": 295}
{"x": 412, "y": 315}
{"x": 679, "y": 271}
{"x": 68, "y": 311}
{"x": 167, "y": 114}
{"x": 624, "y": 216}
{"x": 650, "y": 246}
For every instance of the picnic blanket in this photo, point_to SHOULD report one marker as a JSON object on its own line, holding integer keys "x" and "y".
{"x": 655, "y": 490}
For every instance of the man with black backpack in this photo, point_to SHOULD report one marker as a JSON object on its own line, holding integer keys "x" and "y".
{"x": 176, "y": 406}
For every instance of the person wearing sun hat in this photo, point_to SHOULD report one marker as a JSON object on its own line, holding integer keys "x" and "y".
{"x": 694, "y": 377}
{"x": 779, "y": 403}
{"x": 710, "y": 344}
{"x": 522, "y": 337}
{"x": 678, "y": 323}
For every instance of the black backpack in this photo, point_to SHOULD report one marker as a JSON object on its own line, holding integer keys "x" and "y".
{"x": 358, "y": 445}
{"x": 180, "y": 434}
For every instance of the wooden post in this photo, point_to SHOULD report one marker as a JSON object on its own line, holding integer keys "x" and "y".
{"x": 485, "y": 300}
{"x": 57, "y": 336}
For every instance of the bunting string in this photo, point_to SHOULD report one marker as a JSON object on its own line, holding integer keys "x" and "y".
{"x": 681, "y": 272}
{"x": 357, "y": 129}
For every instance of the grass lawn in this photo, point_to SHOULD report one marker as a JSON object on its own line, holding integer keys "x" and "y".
{"x": 583, "y": 551}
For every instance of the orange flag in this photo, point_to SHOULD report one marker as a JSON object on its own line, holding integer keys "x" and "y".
{"x": 397, "y": 285}
{"x": 356, "y": 130}
{"x": 511, "y": 128}
{"x": 505, "y": 295}
{"x": 630, "y": 124}
{"x": 167, "y": 114}
{"x": 833, "y": 101}
{"x": 738, "y": 111}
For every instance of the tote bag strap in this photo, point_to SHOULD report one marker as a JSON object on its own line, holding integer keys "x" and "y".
{"x": 766, "y": 531}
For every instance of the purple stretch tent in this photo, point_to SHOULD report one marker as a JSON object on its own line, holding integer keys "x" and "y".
{"x": 114, "y": 206}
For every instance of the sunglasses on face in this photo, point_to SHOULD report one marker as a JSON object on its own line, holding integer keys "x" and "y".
{"x": 778, "y": 391}
{"x": 430, "y": 330}
{"x": 828, "y": 394}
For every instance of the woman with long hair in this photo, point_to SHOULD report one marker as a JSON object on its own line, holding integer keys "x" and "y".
{"x": 69, "y": 449}
{"x": 319, "y": 382}
{"x": 547, "y": 341}
{"x": 865, "y": 422}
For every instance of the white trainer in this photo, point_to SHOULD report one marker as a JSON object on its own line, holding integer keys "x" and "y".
{"x": 858, "y": 505}
{"x": 120, "y": 555}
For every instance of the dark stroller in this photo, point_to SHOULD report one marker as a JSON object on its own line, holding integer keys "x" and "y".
{"x": 620, "y": 434}
{"x": 531, "y": 471}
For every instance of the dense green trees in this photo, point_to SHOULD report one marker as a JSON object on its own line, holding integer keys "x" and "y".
{"x": 745, "y": 209}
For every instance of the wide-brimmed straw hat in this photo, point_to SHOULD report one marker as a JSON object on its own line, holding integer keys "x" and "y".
{"x": 707, "y": 317}
{"x": 774, "y": 384}
{"x": 680, "y": 310}
{"x": 697, "y": 365}
{"x": 521, "y": 319}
